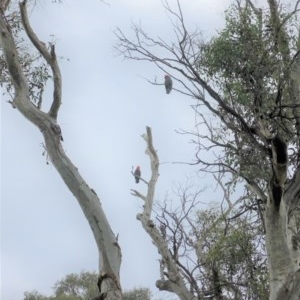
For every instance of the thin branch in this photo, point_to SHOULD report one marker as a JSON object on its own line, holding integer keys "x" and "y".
{"x": 129, "y": 48}
{"x": 138, "y": 194}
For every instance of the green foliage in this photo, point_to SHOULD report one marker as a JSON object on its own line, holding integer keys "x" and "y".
{"x": 250, "y": 63}
{"x": 236, "y": 249}
{"x": 218, "y": 252}
{"x": 77, "y": 286}
{"x": 83, "y": 286}
{"x": 34, "y": 295}
{"x": 36, "y": 71}
{"x": 137, "y": 294}
{"x": 245, "y": 59}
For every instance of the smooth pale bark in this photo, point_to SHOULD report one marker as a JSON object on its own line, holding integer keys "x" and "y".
{"x": 109, "y": 250}
{"x": 283, "y": 243}
{"x": 279, "y": 259}
{"x": 280, "y": 218}
{"x": 174, "y": 282}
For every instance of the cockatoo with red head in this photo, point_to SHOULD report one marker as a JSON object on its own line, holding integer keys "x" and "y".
{"x": 168, "y": 84}
{"x": 137, "y": 174}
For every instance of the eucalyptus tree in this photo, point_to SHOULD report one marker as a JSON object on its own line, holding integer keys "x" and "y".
{"x": 24, "y": 74}
{"x": 248, "y": 78}
{"x": 83, "y": 286}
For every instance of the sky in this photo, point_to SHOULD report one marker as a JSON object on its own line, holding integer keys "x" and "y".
{"x": 107, "y": 103}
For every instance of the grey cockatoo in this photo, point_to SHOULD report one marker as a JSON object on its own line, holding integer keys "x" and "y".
{"x": 137, "y": 174}
{"x": 168, "y": 84}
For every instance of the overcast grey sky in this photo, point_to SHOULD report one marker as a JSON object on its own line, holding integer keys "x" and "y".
{"x": 106, "y": 106}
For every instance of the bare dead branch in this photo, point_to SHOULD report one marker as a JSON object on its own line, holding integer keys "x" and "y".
{"x": 190, "y": 237}
{"x": 154, "y": 161}
{"x": 138, "y": 194}
{"x": 175, "y": 282}
{"x": 139, "y": 50}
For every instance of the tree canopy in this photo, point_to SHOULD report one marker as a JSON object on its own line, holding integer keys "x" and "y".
{"x": 83, "y": 286}
{"x": 246, "y": 86}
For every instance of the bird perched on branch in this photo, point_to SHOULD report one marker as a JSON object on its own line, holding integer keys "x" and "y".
{"x": 168, "y": 84}
{"x": 137, "y": 174}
